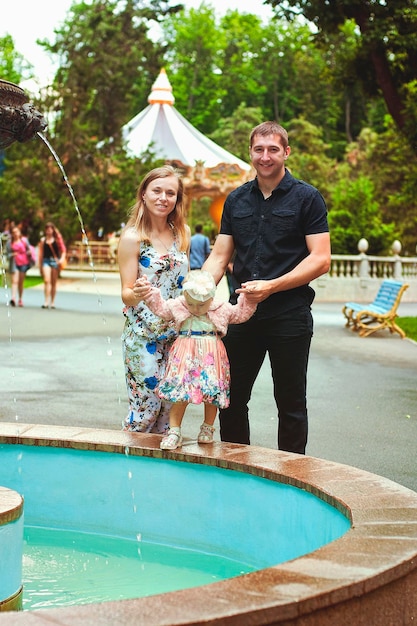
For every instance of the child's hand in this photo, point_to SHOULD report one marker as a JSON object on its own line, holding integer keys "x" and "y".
{"x": 142, "y": 281}
{"x": 142, "y": 288}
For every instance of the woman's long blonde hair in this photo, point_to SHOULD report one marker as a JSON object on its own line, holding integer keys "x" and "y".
{"x": 139, "y": 216}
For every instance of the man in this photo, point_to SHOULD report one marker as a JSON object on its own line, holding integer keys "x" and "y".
{"x": 277, "y": 227}
{"x": 199, "y": 249}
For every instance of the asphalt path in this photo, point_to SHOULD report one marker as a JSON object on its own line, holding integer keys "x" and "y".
{"x": 65, "y": 366}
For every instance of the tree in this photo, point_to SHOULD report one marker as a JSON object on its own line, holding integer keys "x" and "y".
{"x": 291, "y": 72}
{"x": 384, "y": 158}
{"x": 309, "y": 158}
{"x": 13, "y": 66}
{"x": 233, "y": 132}
{"x": 241, "y": 75}
{"x": 388, "y": 46}
{"x": 355, "y": 214}
{"x": 274, "y": 67}
{"x": 107, "y": 66}
{"x": 346, "y": 108}
{"x": 193, "y": 58}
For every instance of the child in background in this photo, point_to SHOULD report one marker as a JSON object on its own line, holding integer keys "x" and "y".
{"x": 197, "y": 369}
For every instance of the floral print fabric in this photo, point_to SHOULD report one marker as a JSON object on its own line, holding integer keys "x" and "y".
{"x": 197, "y": 371}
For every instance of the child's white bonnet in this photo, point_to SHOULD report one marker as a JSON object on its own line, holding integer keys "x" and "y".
{"x": 199, "y": 285}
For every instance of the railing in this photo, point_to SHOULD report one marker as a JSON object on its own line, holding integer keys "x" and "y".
{"x": 380, "y": 267}
{"x": 101, "y": 254}
{"x": 357, "y": 277}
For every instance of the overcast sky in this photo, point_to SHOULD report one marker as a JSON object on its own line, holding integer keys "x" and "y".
{"x": 28, "y": 20}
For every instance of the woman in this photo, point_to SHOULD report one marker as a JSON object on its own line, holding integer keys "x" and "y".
{"x": 154, "y": 243}
{"x": 52, "y": 254}
{"x": 20, "y": 260}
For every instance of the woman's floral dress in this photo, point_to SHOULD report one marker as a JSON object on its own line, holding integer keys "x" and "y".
{"x": 146, "y": 340}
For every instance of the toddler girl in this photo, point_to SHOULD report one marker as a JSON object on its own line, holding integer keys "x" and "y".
{"x": 197, "y": 369}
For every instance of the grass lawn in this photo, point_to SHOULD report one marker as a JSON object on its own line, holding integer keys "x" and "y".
{"x": 409, "y": 326}
{"x": 32, "y": 281}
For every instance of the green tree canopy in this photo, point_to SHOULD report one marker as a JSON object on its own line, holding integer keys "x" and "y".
{"x": 386, "y": 59}
{"x": 13, "y": 66}
{"x": 313, "y": 74}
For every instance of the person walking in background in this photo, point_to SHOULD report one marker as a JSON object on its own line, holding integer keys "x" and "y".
{"x": 197, "y": 370}
{"x": 199, "y": 249}
{"x": 6, "y": 231}
{"x": 277, "y": 227}
{"x": 20, "y": 261}
{"x": 51, "y": 255}
{"x": 154, "y": 243}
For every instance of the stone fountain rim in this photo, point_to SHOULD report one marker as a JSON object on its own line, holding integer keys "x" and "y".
{"x": 378, "y": 550}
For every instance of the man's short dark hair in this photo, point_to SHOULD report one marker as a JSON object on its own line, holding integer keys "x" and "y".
{"x": 269, "y": 128}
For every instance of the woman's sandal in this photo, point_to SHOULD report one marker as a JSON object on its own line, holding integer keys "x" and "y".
{"x": 206, "y": 434}
{"x": 171, "y": 440}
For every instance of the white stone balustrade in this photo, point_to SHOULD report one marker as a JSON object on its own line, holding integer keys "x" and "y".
{"x": 357, "y": 277}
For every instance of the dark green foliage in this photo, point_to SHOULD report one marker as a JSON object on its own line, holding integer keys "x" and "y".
{"x": 13, "y": 66}
{"x": 228, "y": 74}
{"x": 355, "y": 214}
{"x": 233, "y": 132}
{"x": 386, "y": 57}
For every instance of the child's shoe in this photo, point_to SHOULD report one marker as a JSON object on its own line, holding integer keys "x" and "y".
{"x": 171, "y": 440}
{"x": 206, "y": 433}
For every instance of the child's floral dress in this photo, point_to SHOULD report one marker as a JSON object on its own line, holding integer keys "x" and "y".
{"x": 198, "y": 367}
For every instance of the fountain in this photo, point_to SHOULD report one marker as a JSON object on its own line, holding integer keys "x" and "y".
{"x": 367, "y": 576}
{"x": 19, "y": 120}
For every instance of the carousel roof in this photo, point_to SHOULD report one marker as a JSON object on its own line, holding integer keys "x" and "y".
{"x": 161, "y": 128}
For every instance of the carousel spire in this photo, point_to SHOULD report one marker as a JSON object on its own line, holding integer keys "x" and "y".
{"x": 161, "y": 90}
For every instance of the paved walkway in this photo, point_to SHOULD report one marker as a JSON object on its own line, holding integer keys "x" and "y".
{"x": 64, "y": 366}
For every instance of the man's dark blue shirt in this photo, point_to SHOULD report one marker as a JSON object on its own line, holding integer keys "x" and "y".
{"x": 269, "y": 236}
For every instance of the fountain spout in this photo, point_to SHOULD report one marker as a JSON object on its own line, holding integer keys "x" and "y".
{"x": 19, "y": 120}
